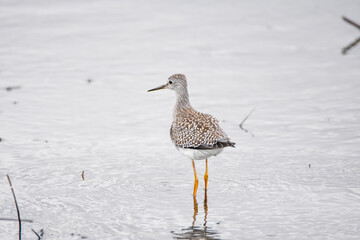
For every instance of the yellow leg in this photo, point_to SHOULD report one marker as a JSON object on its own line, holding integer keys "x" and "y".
{"x": 206, "y": 176}
{"x": 196, "y": 179}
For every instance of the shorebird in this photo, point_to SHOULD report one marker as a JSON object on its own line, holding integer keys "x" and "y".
{"x": 196, "y": 135}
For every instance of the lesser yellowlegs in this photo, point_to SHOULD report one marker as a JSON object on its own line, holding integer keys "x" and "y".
{"x": 196, "y": 135}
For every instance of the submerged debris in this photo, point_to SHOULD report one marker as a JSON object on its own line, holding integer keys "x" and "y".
{"x": 13, "y": 219}
{"x": 38, "y": 235}
{"x": 10, "y": 88}
{"x": 356, "y": 41}
{"x": 78, "y": 235}
{"x": 16, "y": 205}
{"x": 241, "y": 124}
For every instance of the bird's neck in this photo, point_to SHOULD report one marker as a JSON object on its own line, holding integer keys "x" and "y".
{"x": 182, "y": 101}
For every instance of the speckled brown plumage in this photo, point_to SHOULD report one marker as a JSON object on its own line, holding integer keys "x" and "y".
{"x": 192, "y": 129}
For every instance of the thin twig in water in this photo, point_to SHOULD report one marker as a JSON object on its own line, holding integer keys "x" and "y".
{"x": 17, "y": 207}
{"x": 241, "y": 124}
{"x": 356, "y": 41}
{"x": 350, "y": 46}
{"x": 351, "y": 22}
{"x": 13, "y": 219}
{"x": 36, "y": 234}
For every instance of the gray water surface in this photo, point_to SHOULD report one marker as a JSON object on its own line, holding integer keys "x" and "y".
{"x": 294, "y": 175}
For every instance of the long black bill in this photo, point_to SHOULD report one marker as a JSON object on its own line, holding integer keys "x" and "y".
{"x": 158, "y": 88}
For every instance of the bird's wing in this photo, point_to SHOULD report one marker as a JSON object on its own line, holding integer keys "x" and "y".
{"x": 193, "y": 129}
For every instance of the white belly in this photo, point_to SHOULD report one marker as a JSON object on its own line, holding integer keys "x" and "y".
{"x": 195, "y": 154}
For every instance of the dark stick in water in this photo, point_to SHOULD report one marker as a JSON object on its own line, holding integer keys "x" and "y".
{"x": 350, "y": 46}
{"x": 351, "y": 22}
{"x": 13, "y": 219}
{"x": 17, "y": 207}
{"x": 36, "y": 234}
{"x": 241, "y": 124}
{"x": 356, "y": 41}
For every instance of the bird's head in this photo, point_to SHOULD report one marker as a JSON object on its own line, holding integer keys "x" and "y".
{"x": 175, "y": 82}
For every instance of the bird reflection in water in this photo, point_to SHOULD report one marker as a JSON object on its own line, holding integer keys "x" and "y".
{"x": 198, "y": 232}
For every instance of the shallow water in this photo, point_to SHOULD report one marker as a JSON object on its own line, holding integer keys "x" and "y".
{"x": 294, "y": 175}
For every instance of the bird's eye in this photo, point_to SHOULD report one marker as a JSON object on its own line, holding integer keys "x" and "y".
{"x": 170, "y": 82}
